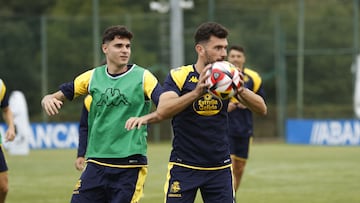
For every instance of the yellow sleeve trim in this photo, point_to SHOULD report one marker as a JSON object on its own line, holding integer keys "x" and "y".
{"x": 256, "y": 78}
{"x": 81, "y": 83}
{"x": 87, "y": 102}
{"x": 179, "y": 75}
{"x": 2, "y": 90}
{"x": 150, "y": 82}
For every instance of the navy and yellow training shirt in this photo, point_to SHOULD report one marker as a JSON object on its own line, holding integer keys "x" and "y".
{"x": 200, "y": 130}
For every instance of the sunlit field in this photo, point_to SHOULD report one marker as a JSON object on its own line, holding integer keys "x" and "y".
{"x": 276, "y": 173}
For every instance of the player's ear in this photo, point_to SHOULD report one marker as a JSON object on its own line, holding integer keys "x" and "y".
{"x": 104, "y": 47}
{"x": 200, "y": 49}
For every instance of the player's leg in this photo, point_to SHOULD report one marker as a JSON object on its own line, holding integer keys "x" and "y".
{"x": 181, "y": 184}
{"x": 3, "y": 186}
{"x": 218, "y": 187}
{"x": 125, "y": 184}
{"x": 238, "y": 167}
{"x": 3, "y": 177}
{"x": 239, "y": 150}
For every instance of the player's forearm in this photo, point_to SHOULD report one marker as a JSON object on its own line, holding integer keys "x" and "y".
{"x": 253, "y": 101}
{"x": 171, "y": 104}
{"x": 153, "y": 117}
{"x": 59, "y": 95}
{"x": 9, "y": 118}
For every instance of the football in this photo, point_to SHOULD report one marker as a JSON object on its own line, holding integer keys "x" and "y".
{"x": 224, "y": 80}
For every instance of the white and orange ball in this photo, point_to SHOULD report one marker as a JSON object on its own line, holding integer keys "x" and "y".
{"x": 224, "y": 80}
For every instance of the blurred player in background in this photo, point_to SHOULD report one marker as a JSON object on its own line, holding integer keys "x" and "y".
{"x": 116, "y": 158}
{"x": 83, "y": 134}
{"x": 9, "y": 136}
{"x": 240, "y": 117}
{"x": 200, "y": 157}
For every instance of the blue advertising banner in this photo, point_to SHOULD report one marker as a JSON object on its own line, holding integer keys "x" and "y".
{"x": 50, "y": 135}
{"x": 323, "y": 132}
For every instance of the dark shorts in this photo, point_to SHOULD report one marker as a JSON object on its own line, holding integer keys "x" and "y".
{"x": 3, "y": 165}
{"x": 104, "y": 184}
{"x": 183, "y": 183}
{"x": 239, "y": 146}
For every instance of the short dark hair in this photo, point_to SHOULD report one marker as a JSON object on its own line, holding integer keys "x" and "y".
{"x": 117, "y": 30}
{"x": 237, "y": 48}
{"x": 208, "y": 29}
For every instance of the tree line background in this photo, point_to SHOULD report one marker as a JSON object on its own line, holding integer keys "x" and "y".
{"x": 328, "y": 78}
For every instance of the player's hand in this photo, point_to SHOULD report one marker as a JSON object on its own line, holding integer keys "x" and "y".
{"x": 202, "y": 86}
{"x": 135, "y": 122}
{"x": 10, "y": 134}
{"x": 241, "y": 88}
{"x": 231, "y": 106}
{"x": 80, "y": 163}
{"x": 51, "y": 105}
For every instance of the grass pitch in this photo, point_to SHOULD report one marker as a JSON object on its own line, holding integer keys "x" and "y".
{"x": 275, "y": 173}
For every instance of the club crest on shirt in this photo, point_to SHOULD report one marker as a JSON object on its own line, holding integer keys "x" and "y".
{"x": 207, "y": 105}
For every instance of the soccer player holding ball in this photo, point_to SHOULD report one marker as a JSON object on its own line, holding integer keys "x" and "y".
{"x": 240, "y": 117}
{"x": 200, "y": 157}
